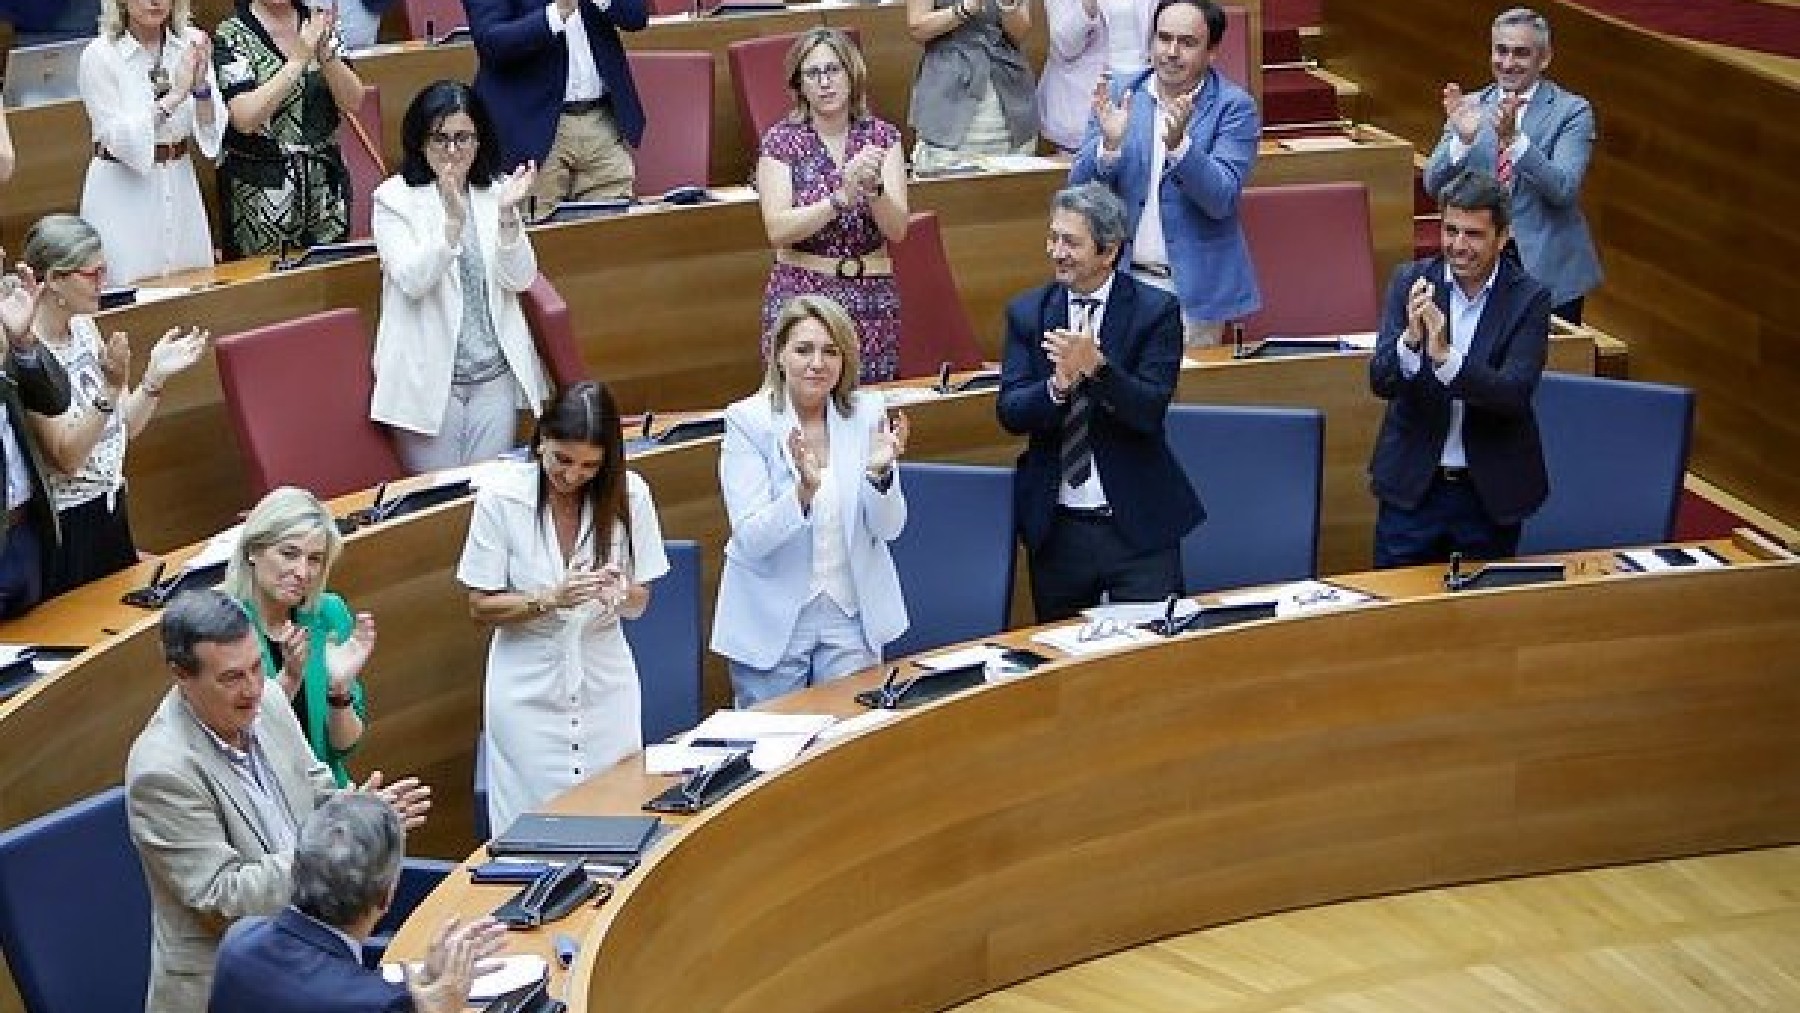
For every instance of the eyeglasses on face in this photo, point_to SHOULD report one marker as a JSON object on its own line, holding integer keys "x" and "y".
{"x": 93, "y": 274}
{"x": 459, "y": 139}
{"x": 823, "y": 72}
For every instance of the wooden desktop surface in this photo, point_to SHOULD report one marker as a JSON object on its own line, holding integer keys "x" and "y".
{"x": 1101, "y": 803}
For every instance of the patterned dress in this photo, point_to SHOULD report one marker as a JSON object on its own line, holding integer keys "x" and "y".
{"x": 873, "y": 302}
{"x": 286, "y": 183}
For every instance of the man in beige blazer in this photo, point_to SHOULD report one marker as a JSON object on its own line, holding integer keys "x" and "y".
{"x": 216, "y": 787}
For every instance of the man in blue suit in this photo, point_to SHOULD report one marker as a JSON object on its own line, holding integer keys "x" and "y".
{"x": 1536, "y": 139}
{"x": 1091, "y": 363}
{"x": 1458, "y": 464}
{"x": 1183, "y": 134}
{"x": 555, "y": 80}
{"x": 308, "y": 958}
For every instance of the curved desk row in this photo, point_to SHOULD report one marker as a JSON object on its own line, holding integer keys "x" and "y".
{"x": 1099, "y": 804}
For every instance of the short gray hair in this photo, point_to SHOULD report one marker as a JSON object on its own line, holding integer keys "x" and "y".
{"x": 348, "y": 858}
{"x": 205, "y": 616}
{"x": 1525, "y": 17}
{"x": 60, "y": 244}
{"x": 1104, "y": 212}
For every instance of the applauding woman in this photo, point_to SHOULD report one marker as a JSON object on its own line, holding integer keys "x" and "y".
{"x": 312, "y": 645}
{"x": 560, "y": 549}
{"x": 809, "y": 592}
{"x": 973, "y": 94}
{"x": 833, "y": 191}
{"x": 84, "y": 446}
{"x": 454, "y": 360}
{"x": 147, "y": 83}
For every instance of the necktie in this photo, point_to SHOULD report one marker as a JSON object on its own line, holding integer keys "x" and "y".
{"x": 1077, "y": 452}
{"x": 1503, "y": 167}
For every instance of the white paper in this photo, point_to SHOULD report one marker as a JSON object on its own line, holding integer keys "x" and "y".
{"x": 1648, "y": 561}
{"x": 1139, "y": 611}
{"x": 1328, "y": 142}
{"x": 1364, "y": 340}
{"x": 514, "y": 971}
{"x": 218, "y": 550}
{"x": 146, "y": 293}
{"x": 860, "y": 723}
{"x": 980, "y": 654}
{"x": 896, "y": 397}
{"x": 10, "y": 653}
{"x": 673, "y": 758}
{"x": 745, "y": 725}
{"x": 1300, "y": 597}
{"x": 1070, "y": 639}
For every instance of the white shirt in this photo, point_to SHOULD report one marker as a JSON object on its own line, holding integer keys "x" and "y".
{"x": 584, "y": 82}
{"x": 1090, "y": 493}
{"x": 18, "y": 473}
{"x": 1465, "y": 314}
{"x": 1149, "y": 246}
{"x": 830, "y": 560}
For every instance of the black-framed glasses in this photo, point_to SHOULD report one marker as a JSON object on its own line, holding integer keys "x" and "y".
{"x": 459, "y": 139}
{"x": 823, "y": 72}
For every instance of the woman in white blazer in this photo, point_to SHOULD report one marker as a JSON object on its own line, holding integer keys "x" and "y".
{"x": 454, "y": 360}
{"x": 809, "y": 593}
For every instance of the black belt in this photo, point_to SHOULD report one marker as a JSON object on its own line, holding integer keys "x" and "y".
{"x": 1452, "y": 474}
{"x": 1099, "y": 513}
{"x": 585, "y": 106}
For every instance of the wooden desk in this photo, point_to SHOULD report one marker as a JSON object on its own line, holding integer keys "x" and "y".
{"x": 1104, "y": 803}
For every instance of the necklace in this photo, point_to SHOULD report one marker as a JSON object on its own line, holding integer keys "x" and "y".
{"x": 159, "y": 77}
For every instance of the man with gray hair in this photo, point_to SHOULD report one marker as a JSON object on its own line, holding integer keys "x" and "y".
{"x": 308, "y": 958}
{"x": 1091, "y": 362}
{"x": 1535, "y": 138}
{"x": 216, "y": 787}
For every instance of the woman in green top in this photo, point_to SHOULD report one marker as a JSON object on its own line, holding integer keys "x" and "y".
{"x": 312, "y": 645}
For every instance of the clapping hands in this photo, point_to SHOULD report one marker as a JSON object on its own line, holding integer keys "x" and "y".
{"x": 1111, "y": 116}
{"x": 1426, "y": 326}
{"x": 887, "y": 442}
{"x": 173, "y": 353}
{"x": 452, "y": 959}
{"x": 514, "y": 187}
{"x": 1462, "y": 112}
{"x": 862, "y": 173}
{"x": 19, "y": 295}
{"x": 344, "y": 662}
{"x": 409, "y": 798}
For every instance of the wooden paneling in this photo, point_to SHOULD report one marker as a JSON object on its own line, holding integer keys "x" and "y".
{"x": 1690, "y": 196}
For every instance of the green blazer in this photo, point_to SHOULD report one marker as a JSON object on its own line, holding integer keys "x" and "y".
{"x": 331, "y": 623}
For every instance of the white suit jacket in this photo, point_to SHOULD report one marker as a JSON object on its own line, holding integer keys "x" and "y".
{"x": 206, "y": 859}
{"x": 422, "y": 303}
{"x": 768, "y": 559}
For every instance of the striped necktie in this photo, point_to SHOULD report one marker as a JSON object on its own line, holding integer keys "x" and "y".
{"x": 1077, "y": 451}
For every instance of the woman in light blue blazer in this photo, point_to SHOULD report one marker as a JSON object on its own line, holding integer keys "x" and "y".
{"x": 809, "y": 592}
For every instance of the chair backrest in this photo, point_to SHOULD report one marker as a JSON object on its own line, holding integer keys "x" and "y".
{"x": 1314, "y": 256}
{"x": 1259, "y": 472}
{"x": 74, "y": 911}
{"x": 759, "y": 81}
{"x": 1616, "y": 451}
{"x": 553, "y": 331}
{"x": 666, "y": 643}
{"x": 428, "y": 19}
{"x": 677, "y": 88}
{"x": 934, "y": 325}
{"x": 298, "y": 394}
{"x": 1233, "y": 56}
{"x": 366, "y": 170}
{"x": 955, "y": 556}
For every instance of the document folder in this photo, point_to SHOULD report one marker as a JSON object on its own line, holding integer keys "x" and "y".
{"x": 552, "y": 834}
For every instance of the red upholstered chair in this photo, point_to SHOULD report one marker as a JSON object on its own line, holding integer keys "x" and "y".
{"x": 934, "y": 326}
{"x": 554, "y": 333}
{"x": 1233, "y": 57}
{"x": 429, "y": 19}
{"x": 1314, "y": 258}
{"x": 759, "y": 80}
{"x": 677, "y": 91}
{"x": 298, "y": 394}
{"x": 367, "y": 168}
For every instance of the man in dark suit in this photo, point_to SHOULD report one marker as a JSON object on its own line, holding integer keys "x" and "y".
{"x": 1458, "y": 464}
{"x": 1091, "y": 362}
{"x": 29, "y": 379}
{"x": 555, "y": 80}
{"x": 308, "y": 958}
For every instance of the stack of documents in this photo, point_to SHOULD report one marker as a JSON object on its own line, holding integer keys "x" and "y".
{"x": 504, "y": 974}
{"x": 772, "y": 740}
{"x": 1300, "y": 597}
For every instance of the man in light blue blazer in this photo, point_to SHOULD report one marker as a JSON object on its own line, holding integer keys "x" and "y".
{"x": 1183, "y": 133}
{"x": 1535, "y": 137}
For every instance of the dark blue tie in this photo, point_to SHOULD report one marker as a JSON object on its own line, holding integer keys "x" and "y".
{"x": 1077, "y": 452}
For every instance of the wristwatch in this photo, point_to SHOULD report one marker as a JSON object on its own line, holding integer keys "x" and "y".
{"x": 104, "y": 405}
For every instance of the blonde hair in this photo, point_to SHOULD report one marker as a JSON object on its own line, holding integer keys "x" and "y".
{"x": 282, "y": 514}
{"x": 842, "y": 329}
{"x": 113, "y": 17}
{"x": 841, "y": 44}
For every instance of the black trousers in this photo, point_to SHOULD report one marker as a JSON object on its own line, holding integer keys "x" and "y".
{"x": 1087, "y": 556}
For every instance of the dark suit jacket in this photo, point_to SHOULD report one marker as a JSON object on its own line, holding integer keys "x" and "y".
{"x": 42, "y": 388}
{"x": 288, "y": 963}
{"x": 1499, "y": 374}
{"x": 1140, "y": 336}
{"x": 524, "y": 68}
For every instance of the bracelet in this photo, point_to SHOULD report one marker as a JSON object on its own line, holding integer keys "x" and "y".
{"x": 340, "y": 700}
{"x": 202, "y": 93}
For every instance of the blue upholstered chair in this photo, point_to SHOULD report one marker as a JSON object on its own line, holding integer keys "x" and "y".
{"x": 1616, "y": 451}
{"x": 955, "y": 556}
{"x": 74, "y": 911}
{"x": 1258, "y": 470}
{"x": 418, "y": 877}
{"x": 665, "y": 641}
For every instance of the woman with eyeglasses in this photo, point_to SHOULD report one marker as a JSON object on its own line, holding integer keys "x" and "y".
{"x": 454, "y": 359}
{"x": 833, "y": 189}
{"x": 560, "y": 549}
{"x": 973, "y": 93}
{"x": 147, "y": 84}
{"x": 282, "y": 182}
{"x": 83, "y": 448}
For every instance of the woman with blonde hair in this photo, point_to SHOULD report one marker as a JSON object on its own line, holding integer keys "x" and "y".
{"x": 809, "y": 593}
{"x": 832, "y": 185}
{"x": 313, "y": 646}
{"x": 147, "y": 84}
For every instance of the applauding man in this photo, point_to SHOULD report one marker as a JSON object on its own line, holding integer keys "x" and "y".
{"x": 1176, "y": 144}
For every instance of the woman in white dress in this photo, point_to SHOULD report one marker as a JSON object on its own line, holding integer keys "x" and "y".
{"x": 147, "y": 83}
{"x": 560, "y": 549}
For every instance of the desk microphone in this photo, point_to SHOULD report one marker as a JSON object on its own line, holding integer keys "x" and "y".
{"x": 1237, "y": 339}
{"x": 649, "y": 417}
{"x": 1455, "y": 579}
{"x": 943, "y": 384}
{"x": 156, "y": 574}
